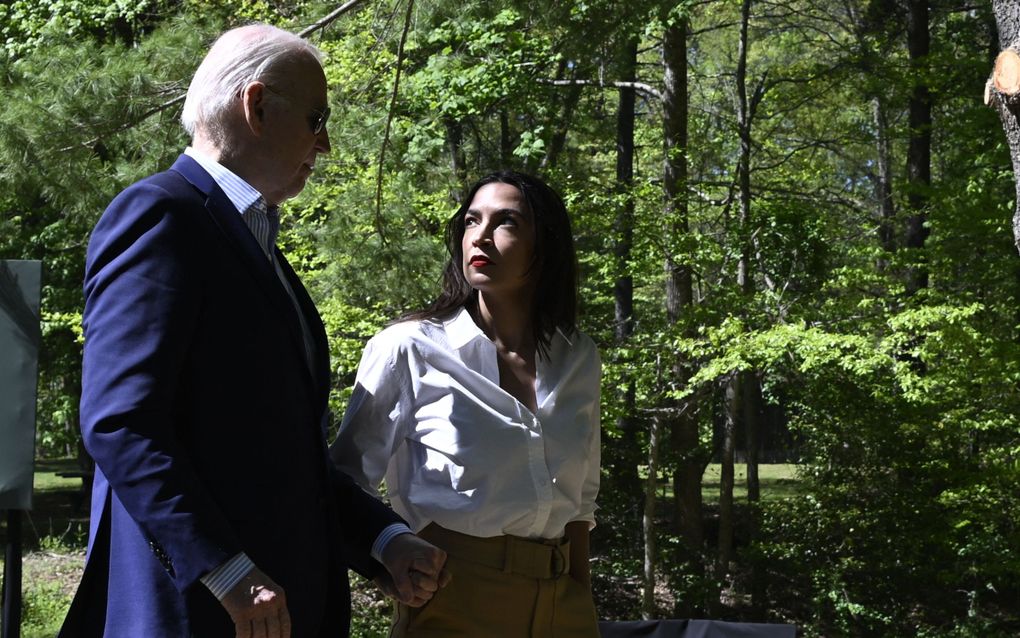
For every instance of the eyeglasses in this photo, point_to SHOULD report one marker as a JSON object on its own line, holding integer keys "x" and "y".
{"x": 316, "y": 119}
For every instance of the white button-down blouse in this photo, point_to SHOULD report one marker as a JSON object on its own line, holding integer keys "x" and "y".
{"x": 428, "y": 415}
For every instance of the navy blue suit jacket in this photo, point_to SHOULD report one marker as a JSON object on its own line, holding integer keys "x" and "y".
{"x": 206, "y": 421}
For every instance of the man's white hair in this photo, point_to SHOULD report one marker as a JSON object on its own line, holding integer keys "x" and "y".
{"x": 238, "y": 57}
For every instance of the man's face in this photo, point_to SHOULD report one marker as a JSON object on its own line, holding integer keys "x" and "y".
{"x": 294, "y": 105}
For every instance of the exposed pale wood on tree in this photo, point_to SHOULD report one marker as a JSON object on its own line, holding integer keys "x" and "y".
{"x": 640, "y": 87}
{"x": 1005, "y": 74}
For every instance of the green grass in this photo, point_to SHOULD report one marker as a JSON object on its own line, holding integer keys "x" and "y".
{"x": 777, "y": 481}
{"x": 53, "y": 535}
{"x": 46, "y": 479}
{"x": 59, "y": 508}
{"x": 43, "y": 610}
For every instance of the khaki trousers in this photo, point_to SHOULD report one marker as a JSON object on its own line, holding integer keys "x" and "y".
{"x": 502, "y": 587}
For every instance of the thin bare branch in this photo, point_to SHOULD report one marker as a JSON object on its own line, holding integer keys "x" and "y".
{"x": 389, "y": 122}
{"x": 325, "y": 22}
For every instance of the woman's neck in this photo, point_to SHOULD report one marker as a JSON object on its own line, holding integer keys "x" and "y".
{"x": 507, "y": 322}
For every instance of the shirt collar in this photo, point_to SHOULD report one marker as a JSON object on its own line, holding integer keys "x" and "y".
{"x": 461, "y": 329}
{"x": 240, "y": 193}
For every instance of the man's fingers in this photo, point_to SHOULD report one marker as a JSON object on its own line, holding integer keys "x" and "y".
{"x": 429, "y": 565}
{"x": 273, "y": 626}
{"x": 424, "y": 582}
{"x": 444, "y": 578}
{"x": 258, "y": 628}
{"x": 284, "y": 623}
{"x": 258, "y": 607}
{"x": 431, "y": 561}
{"x": 404, "y": 588}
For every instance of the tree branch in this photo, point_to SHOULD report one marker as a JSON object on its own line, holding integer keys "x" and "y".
{"x": 389, "y": 122}
{"x": 325, "y": 22}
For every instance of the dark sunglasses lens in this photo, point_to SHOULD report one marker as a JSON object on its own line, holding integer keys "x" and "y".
{"x": 318, "y": 121}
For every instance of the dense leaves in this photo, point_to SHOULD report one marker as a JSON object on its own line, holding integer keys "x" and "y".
{"x": 899, "y": 405}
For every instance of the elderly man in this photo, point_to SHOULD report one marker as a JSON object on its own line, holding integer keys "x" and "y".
{"x": 216, "y": 511}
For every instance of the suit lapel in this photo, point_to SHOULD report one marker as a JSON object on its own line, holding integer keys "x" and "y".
{"x": 247, "y": 248}
{"x": 320, "y": 351}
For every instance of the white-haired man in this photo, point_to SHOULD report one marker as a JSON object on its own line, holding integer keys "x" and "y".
{"x": 215, "y": 510}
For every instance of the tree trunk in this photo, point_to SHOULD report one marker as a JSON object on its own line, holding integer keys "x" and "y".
{"x": 734, "y": 408}
{"x": 919, "y": 147}
{"x": 505, "y": 143}
{"x": 629, "y": 454}
{"x": 562, "y": 125}
{"x": 743, "y": 393}
{"x": 683, "y": 423}
{"x": 753, "y": 411}
{"x": 726, "y": 480}
{"x": 648, "y": 611}
{"x": 1003, "y": 91}
{"x": 883, "y": 181}
{"x": 455, "y": 145}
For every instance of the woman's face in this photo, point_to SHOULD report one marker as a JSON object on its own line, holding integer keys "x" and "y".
{"x": 499, "y": 241}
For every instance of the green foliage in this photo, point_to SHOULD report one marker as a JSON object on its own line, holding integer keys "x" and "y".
{"x": 26, "y": 25}
{"x": 43, "y": 611}
{"x": 901, "y": 410}
{"x": 373, "y": 610}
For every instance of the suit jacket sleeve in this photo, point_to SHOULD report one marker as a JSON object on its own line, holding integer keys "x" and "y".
{"x": 140, "y": 308}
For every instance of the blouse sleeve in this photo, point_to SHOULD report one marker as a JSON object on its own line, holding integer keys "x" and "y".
{"x": 370, "y": 431}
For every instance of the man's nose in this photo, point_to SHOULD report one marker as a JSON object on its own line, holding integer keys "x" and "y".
{"x": 322, "y": 144}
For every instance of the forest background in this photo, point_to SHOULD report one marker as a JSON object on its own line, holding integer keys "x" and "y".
{"x": 793, "y": 229}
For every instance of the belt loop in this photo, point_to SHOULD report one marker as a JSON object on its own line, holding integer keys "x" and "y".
{"x": 560, "y": 562}
{"x": 508, "y": 555}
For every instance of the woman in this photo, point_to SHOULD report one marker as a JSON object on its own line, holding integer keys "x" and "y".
{"x": 482, "y": 414}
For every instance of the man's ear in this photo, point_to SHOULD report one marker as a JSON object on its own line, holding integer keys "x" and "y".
{"x": 253, "y": 101}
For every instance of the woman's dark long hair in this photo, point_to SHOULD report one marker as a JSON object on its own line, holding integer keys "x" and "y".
{"x": 555, "y": 303}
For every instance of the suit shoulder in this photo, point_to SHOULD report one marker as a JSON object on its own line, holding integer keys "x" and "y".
{"x": 165, "y": 186}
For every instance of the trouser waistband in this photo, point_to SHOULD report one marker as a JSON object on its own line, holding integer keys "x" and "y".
{"x": 532, "y": 558}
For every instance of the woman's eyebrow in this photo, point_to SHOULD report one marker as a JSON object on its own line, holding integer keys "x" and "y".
{"x": 475, "y": 211}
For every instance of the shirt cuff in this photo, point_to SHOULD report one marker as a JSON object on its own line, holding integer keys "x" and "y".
{"x": 222, "y": 579}
{"x": 385, "y": 536}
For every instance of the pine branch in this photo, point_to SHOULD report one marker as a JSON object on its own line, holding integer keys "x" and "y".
{"x": 318, "y": 26}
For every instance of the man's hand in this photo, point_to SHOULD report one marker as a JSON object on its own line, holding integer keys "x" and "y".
{"x": 258, "y": 607}
{"x": 415, "y": 570}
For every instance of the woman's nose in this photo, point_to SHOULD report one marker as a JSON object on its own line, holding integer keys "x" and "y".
{"x": 481, "y": 239}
